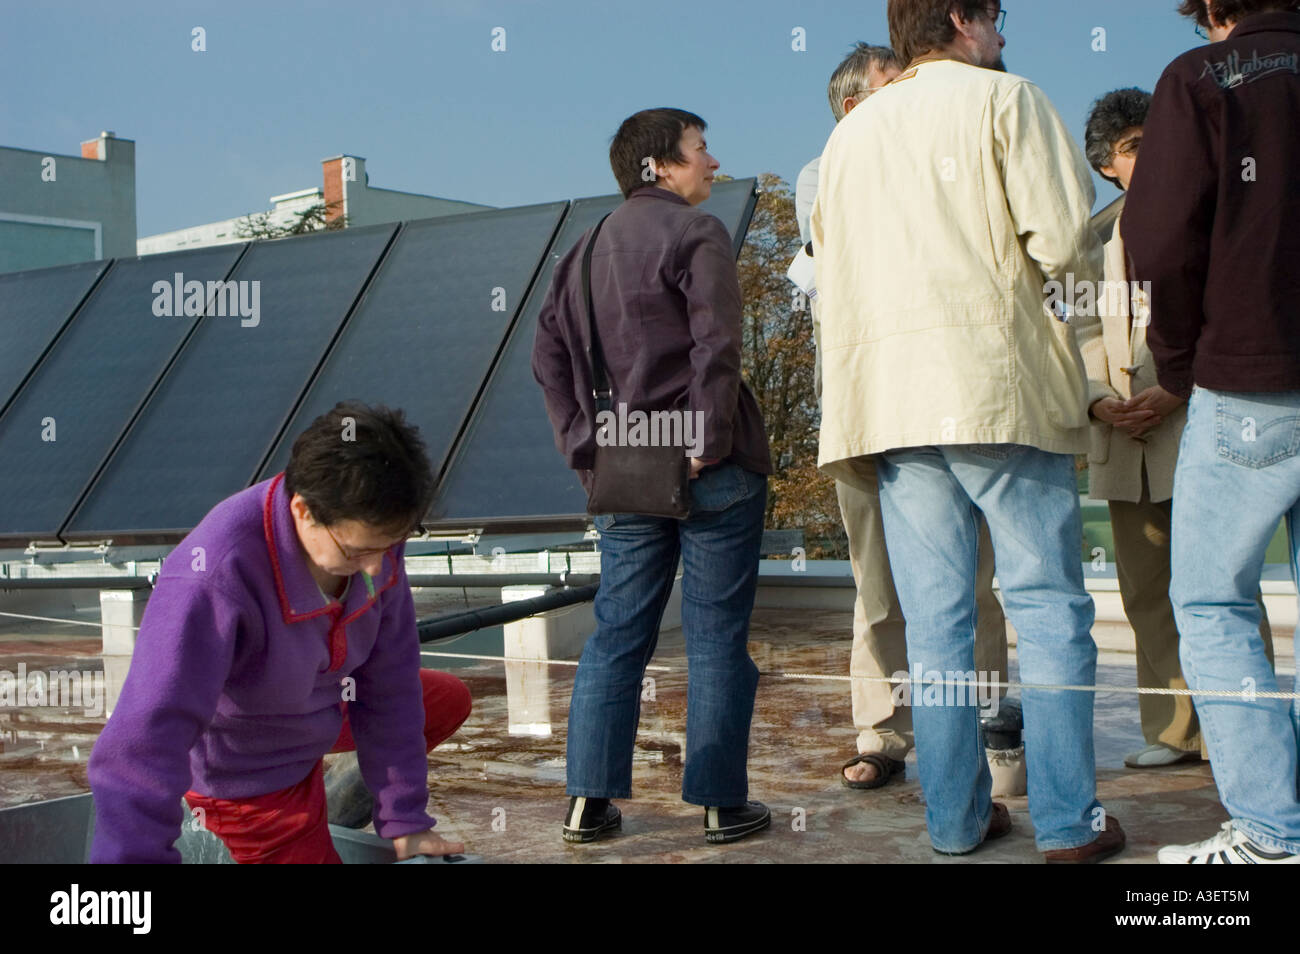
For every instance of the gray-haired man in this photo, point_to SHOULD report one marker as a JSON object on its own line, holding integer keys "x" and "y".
{"x": 879, "y": 643}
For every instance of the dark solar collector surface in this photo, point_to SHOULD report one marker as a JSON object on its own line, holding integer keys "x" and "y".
{"x": 423, "y": 337}
{"x": 206, "y": 430}
{"x": 34, "y": 306}
{"x": 88, "y": 387}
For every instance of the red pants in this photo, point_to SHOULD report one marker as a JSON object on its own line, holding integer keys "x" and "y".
{"x": 291, "y": 826}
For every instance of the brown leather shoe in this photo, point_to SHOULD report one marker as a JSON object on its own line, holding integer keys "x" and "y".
{"x": 999, "y": 825}
{"x": 1110, "y": 842}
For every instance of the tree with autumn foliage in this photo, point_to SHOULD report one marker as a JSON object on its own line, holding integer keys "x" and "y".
{"x": 778, "y": 357}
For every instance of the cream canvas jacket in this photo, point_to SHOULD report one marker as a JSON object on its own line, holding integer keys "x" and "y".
{"x": 945, "y": 203}
{"x": 1120, "y": 365}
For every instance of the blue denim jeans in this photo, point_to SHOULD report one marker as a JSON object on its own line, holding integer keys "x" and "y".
{"x": 929, "y": 498}
{"x": 719, "y": 548}
{"x": 1238, "y": 474}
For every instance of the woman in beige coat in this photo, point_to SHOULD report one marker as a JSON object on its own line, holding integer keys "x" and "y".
{"x": 1136, "y": 428}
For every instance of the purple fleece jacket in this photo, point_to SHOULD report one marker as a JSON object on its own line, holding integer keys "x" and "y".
{"x": 236, "y": 681}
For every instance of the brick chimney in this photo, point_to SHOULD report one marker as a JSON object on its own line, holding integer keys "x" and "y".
{"x": 338, "y": 173}
{"x": 97, "y": 148}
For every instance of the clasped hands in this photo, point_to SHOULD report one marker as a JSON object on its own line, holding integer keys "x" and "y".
{"x": 1140, "y": 413}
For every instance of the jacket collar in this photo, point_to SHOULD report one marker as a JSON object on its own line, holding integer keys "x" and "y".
{"x": 655, "y": 192}
{"x": 1270, "y": 22}
{"x": 295, "y": 587}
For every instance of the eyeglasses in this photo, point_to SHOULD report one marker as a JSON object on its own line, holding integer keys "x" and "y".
{"x": 350, "y": 554}
{"x": 1129, "y": 147}
{"x": 998, "y": 16}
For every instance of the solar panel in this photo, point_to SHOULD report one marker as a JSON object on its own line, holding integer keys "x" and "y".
{"x": 34, "y": 306}
{"x": 733, "y": 202}
{"x": 212, "y": 420}
{"x": 485, "y": 484}
{"x": 431, "y": 322}
{"x": 67, "y": 417}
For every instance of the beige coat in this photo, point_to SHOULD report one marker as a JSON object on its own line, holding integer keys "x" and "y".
{"x": 945, "y": 202}
{"x": 1120, "y": 365}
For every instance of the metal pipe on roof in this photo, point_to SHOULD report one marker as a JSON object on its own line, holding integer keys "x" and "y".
{"x": 457, "y": 624}
{"x": 430, "y": 580}
{"x": 76, "y": 583}
{"x": 494, "y": 580}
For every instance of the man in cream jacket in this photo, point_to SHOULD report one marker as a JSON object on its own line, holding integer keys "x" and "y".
{"x": 946, "y": 204}
{"x": 879, "y": 645}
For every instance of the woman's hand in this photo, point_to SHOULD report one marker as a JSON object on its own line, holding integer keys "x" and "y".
{"x": 1155, "y": 400}
{"x": 1118, "y": 413}
{"x": 425, "y": 843}
{"x": 699, "y": 463}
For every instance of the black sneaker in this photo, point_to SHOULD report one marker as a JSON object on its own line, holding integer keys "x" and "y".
{"x": 589, "y": 818}
{"x": 732, "y": 824}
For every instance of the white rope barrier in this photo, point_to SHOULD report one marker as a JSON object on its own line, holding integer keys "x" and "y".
{"x": 1249, "y": 694}
{"x": 48, "y": 619}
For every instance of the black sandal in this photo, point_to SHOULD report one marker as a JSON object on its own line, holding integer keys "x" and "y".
{"x": 886, "y": 769}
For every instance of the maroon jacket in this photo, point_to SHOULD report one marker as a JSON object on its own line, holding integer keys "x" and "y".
{"x": 1211, "y": 215}
{"x": 668, "y": 310}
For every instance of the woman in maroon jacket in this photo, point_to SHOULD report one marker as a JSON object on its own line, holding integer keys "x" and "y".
{"x": 668, "y": 311}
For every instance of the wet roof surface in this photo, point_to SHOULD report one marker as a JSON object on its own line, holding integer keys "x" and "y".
{"x": 503, "y": 794}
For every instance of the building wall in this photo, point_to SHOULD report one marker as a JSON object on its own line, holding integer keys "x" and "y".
{"x": 59, "y": 209}
{"x": 346, "y": 180}
{"x": 344, "y": 191}
{"x": 226, "y": 232}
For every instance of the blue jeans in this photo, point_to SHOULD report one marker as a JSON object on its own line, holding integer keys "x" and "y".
{"x": 719, "y": 547}
{"x": 1238, "y": 475}
{"x": 929, "y": 497}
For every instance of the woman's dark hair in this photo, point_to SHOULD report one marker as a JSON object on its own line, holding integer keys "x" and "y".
{"x": 917, "y": 26}
{"x": 650, "y": 134}
{"x": 1230, "y": 11}
{"x": 363, "y": 463}
{"x": 1115, "y": 112}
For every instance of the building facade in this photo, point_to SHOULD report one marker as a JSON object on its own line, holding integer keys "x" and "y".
{"x": 59, "y": 209}
{"x": 346, "y": 194}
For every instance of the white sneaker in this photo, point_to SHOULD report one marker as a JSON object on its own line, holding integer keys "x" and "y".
{"x": 1228, "y": 847}
{"x": 1158, "y": 754}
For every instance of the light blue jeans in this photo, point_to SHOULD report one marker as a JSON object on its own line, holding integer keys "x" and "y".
{"x": 929, "y": 497}
{"x": 1238, "y": 474}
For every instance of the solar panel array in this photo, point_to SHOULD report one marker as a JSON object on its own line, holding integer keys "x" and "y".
{"x": 135, "y": 394}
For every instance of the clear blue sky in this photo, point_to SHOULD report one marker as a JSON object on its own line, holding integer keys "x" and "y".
{"x": 416, "y": 88}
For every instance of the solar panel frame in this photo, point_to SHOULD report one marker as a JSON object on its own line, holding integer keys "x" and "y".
{"x": 36, "y": 495}
{"x": 120, "y": 504}
{"x": 23, "y": 353}
{"x": 464, "y": 269}
{"x": 148, "y": 386}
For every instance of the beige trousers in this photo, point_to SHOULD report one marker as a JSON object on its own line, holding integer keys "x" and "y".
{"x": 879, "y": 641}
{"x": 1142, "y": 556}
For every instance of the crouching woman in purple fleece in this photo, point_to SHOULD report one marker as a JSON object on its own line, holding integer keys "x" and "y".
{"x": 280, "y": 629}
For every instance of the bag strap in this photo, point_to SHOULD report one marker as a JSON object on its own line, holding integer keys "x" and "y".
{"x": 599, "y": 380}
